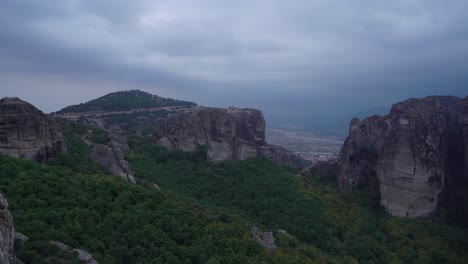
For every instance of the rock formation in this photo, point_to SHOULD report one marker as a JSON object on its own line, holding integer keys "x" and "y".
{"x": 7, "y": 233}
{"x": 28, "y": 133}
{"x": 83, "y": 256}
{"x": 266, "y": 239}
{"x": 229, "y": 134}
{"x": 413, "y": 156}
{"x": 111, "y": 156}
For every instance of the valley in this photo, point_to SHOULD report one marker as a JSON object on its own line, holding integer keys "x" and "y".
{"x": 312, "y": 146}
{"x": 192, "y": 184}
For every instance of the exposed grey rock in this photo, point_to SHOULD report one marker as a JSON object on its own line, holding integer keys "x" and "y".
{"x": 165, "y": 143}
{"x": 7, "y": 233}
{"x": 156, "y": 186}
{"x": 108, "y": 158}
{"x": 28, "y": 133}
{"x": 266, "y": 239}
{"x": 409, "y": 154}
{"x": 111, "y": 156}
{"x": 282, "y": 155}
{"x": 20, "y": 239}
{"x": 83, "y": 256}
{"x": 283, "y": 232}
{"x": 228, "y": 134}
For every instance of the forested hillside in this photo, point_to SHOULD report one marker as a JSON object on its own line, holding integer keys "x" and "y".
{"x": 125, "y": 100}
{"x": 204, "y": 212}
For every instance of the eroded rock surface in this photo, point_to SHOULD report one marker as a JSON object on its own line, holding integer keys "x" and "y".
{"x": 7, "y": 233}
{"x": 266, "y": 239}
{"x": 410, "y": 155}
{"x": 83, "y": 256}
{"x": 111, "y": 156}
{"x": 229, "y": 134}
{"x": 28, "y": 133}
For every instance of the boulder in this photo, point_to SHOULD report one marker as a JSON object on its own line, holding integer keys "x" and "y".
{"x": 28, "y": 133}
{"x": 83, "y": 256}
{"x": 266, "y": 239}
{"x": 20, "y": 239}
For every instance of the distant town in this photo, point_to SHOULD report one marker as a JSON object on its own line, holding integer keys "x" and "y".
{"x": 310, "y": 146}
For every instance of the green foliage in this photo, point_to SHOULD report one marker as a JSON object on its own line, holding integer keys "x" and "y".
{"x": 117, "y": 222}
{"x": 203, "y": 213}
{"x": 260, "y": 189}
{"x": 125, "y": 100}
{"x": 78, "y": 158}
{"x": 342, "y": 227}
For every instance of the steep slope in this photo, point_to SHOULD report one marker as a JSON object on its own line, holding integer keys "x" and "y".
{"x": 125, "y": 100}
{"x": 413, "y": 156}
{"x": 28, "y": 133}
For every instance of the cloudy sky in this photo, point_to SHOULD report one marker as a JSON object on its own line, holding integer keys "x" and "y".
{"x": 305, "y": 62}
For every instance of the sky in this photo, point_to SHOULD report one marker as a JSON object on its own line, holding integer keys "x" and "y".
{"x": 312, "y": 63}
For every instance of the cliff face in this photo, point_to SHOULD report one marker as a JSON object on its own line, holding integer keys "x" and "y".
{"x": 413, "y": 156}
{"x": 7, "y": 233}
{"x": 28, "y": 133}
{"x": 229, "y": 134}
{"x": 111, "y": 156}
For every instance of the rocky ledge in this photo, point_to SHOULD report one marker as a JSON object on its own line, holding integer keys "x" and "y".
{"x": 416, "y": 156}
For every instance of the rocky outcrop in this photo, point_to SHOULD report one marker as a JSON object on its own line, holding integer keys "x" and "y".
{"x": 28, "y": 133}
{"x": 111, "y": 156}
{"x": 360, "y": 152}
{"x": 266, "y": 239}
{"x": 83, "y": 256}
{"x": 7, "y": 233}
{"x": 228, "y": 134}
{"x": 412, "y": 156}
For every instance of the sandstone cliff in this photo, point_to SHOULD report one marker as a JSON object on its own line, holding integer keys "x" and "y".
{"x": 28, "y": 133}
{"x": 229, "y": 134}
{"x": 7, "y": 233}
{"x": 415, "y": 156}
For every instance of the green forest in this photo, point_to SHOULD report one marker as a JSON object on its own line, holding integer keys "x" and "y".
{"x": 125, "y": 100}
{"x": 204, "y": 212}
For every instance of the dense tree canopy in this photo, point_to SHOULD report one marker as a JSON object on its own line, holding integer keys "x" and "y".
{"x": 204, "y": 211}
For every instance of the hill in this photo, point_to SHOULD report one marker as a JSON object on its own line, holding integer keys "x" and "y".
{"x": 125, "y": 100}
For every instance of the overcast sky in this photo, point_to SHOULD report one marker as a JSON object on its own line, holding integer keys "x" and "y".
{"x": 301, "y": 62}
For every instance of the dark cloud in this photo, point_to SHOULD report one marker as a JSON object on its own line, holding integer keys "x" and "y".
{"x": 308, "y": 62}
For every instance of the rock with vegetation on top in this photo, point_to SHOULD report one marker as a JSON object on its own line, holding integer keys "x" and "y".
{"x": 228, "y": 133}
{"x": 28, "y": 133}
